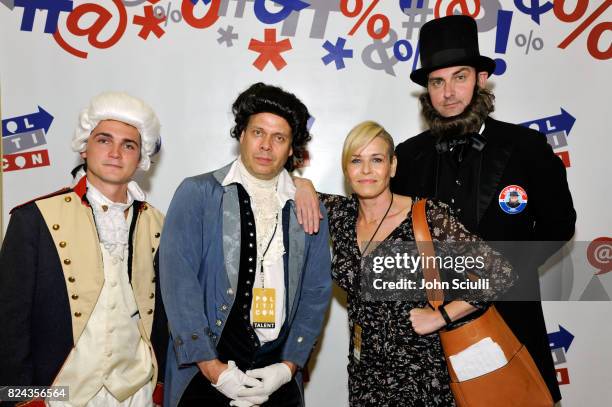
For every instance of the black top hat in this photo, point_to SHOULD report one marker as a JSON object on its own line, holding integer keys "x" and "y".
{"x": 513, "y": 193}
{"x": 450, "y": 41}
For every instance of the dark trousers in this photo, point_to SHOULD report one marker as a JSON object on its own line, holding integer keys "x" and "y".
{"x": 200, "y": 393}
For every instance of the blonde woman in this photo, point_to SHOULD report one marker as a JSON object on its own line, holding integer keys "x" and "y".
{"x": 394, "y": 359}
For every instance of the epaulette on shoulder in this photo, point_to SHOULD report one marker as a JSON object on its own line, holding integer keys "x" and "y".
{"x": 52, "y": 194}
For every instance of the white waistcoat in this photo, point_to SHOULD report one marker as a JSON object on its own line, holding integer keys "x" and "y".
{"x": 110, "y": 356}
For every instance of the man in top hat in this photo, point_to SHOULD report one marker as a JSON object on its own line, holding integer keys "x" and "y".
{"x": 471, "y": 161}
{"x": 80, "y": 304}
{"x": 245, "y": 288}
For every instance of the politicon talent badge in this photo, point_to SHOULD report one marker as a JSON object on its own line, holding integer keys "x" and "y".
{"x": 513, "y": 199}
{"x": 264, "y": 308}
{"x": 357, "y": 342}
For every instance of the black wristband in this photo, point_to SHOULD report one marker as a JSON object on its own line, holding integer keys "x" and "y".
{"x": 445, "y": 315}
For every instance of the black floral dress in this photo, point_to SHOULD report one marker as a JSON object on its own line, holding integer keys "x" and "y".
{"x": 395, "y": 366}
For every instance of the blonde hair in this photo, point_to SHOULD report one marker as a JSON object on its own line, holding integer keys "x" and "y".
{"x": 362, "y": 135}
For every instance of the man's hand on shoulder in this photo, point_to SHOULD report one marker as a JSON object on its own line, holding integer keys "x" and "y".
{"x": 307, "y": 205}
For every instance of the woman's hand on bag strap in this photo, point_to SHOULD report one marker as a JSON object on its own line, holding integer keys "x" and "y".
{"x": 426, "y": 320}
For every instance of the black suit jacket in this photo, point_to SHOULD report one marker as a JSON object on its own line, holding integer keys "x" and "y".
{"x": 513, "y": 155}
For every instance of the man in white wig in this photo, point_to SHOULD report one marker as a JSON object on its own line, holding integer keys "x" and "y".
{"x": 80, "y": 304}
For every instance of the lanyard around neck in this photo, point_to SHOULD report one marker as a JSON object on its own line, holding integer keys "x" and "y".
{"x": 261, "y": 270}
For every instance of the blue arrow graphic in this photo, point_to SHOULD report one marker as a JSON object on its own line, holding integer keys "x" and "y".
{"x": 554, "y": 124}
{"x": 562, "y": 339}
{"x": 30, "y": 122}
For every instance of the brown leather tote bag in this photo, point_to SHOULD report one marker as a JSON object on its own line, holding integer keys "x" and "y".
{"x": 516, "y": 384}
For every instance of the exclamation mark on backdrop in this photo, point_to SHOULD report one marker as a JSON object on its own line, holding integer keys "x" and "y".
{"x": 504, "y": 20}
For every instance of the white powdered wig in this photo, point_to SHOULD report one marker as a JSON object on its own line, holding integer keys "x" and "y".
{"x": 124, "y": 108}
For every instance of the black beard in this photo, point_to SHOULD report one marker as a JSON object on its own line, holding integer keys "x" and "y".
{"x": 468, "y": 121}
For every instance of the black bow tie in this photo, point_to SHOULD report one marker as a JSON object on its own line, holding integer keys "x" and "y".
{"x": 475, "y": 140}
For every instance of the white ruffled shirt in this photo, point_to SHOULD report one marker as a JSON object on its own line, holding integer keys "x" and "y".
{"x": 111, "y": 223}
{"x": 268, "y": 197}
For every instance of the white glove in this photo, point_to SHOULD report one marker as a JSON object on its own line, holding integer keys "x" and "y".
{"x": 272, "y": 377}
{"x": 233, "y": 380}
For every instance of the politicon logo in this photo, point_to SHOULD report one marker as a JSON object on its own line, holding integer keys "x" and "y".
{"x": 22, "y": 137}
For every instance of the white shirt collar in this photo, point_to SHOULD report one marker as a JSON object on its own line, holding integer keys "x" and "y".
{"x": 134, "y": 190}
{"x": 285, "y": 188}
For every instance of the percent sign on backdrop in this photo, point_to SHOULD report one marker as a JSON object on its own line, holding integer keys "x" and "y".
{"x": 596, "y": 32}
{"x": 528, "y": 42}
{"x": 385, "y": 24}
{"x": 169, "y": 12}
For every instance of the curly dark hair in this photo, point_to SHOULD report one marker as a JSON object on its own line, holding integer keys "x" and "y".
{"x": 262, "y": 98}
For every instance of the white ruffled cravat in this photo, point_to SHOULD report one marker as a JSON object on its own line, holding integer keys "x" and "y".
{"x": 111, "y": 223}
{"x": 266, "y": 210}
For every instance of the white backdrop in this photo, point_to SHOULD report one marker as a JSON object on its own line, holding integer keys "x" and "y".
{"x": 192, "y": 75}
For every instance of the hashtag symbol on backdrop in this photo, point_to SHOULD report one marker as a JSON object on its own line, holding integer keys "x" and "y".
{"x": 417, "y": 11}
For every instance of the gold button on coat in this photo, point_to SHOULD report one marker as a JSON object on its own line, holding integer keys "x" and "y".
{"x": 67, "y": 199}
{"x": 77, "y": 314}
{"x": 55, "y": 227}
{"x": 67, "y": 261}
{"x": 71, "y": 279}
{"x": 62, "y": 244}
{"x": 75, "y": 297}
{"x": 150, "y": 311}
